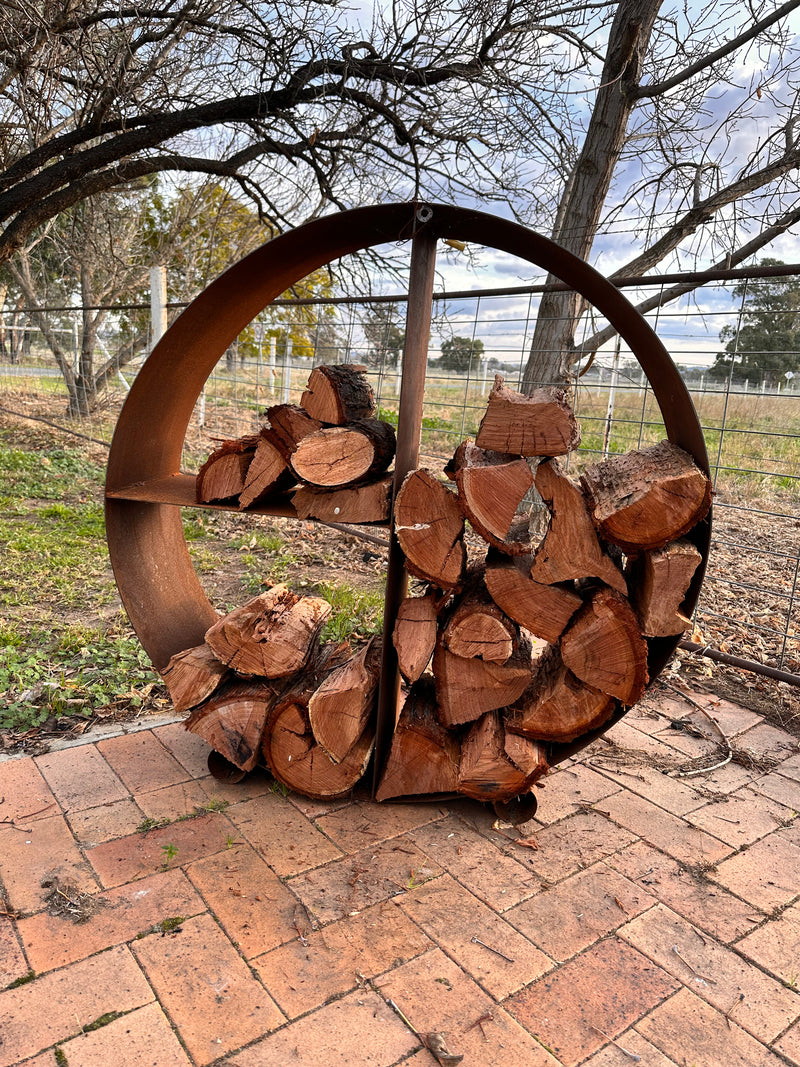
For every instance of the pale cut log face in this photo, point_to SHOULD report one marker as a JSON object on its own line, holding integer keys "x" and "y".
{"x": 511, "y": 645}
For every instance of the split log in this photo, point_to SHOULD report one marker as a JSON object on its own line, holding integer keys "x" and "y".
{"x": 342, "y": 455}
{"x": 659, "y": 582}
{"x": 268, "y": 472}
{"x": 272, "y": 635}
{"x": 646, "y": 498}
{"x": 545, "y": 610}
{"x": 491, "y": 486}
{"x": 495, "y": 765}
{"x": 604, "y": 648}
{"x": 232, "y": 721}
{"x": 475, "y": 627}
{"x": 222, "y": 476}
{"x": 291, "y": 424}
{"x": 557, "y": 706}
{"x": 540, "y": 424}
{"x": 570, "y": 548}
{"x": 430, "y": 528}
{"x": 340, "y": 708}
{"x": 370, "y": 502}
{"x": 414, "y": 636}
{"x": 338, "y": 393}
{"x": 192, "y": 676}
{"x": 466, "y": 688}
{"x": 424, "y": 755}
{"x": 291, "y": 752}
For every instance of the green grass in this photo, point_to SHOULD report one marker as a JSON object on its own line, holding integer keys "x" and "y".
{"x": 356, "y": 612}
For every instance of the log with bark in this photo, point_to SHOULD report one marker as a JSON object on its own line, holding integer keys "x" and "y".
{"x": 647, "y": 498}
{"x": 491, "y": 487}
{"x": 659, "y": 581}
{"x": 570, "y": 548}
{"x": 338, "y": 393}
{"x": 272, "y": 636}
{"x": 290, "y": 424}
{"x": 424, "y": 756}
{"x": 557, "y": 706}
{"x": 430, "y": 528}
{"x": 192, "y": 676}
{"x": 268, "y": 472}
{"x": 233, "y": 719}
{"x": 366, "y": 503}
{"x": 414, "y": 635}
{"x": 539, "y": 424}
{"x": 342, "y": 455}
{"x": 290, "y": 750}
{"x": 340, "y": 708}
{"x": 466, "y": 688}
{"x": 496, "y": 765}
{"x": 545, "y": 610}
{"x": 222, "y": 476}
{"x": 604, "y": 647}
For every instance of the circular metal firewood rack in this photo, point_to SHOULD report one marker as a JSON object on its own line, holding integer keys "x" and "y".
{"x": 145, "y": 489}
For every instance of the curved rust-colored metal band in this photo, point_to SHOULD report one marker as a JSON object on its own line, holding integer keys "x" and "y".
{"x": 156, "y": 579}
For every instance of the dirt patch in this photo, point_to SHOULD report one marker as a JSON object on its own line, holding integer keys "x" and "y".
{"x": 65, "y": 901}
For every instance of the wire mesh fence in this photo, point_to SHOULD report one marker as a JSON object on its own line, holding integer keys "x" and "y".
{"x": 750, "y": 604}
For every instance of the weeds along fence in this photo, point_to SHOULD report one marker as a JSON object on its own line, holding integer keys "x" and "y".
{"x": 750, "y": 605}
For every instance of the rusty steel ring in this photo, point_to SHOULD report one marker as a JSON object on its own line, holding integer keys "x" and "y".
{"x": 157, "y": 581}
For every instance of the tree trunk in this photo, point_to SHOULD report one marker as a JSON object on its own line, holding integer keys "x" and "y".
{"x": 553, "y": 344}
{"x": 605, "y": 649}
{"x": 545, "y": 610}
{"x": 496, "y": 765}
{"x": 224, "y": 473}
{"x": 659, "y": 582}
{"x": 415, "y": 634}
{"x": 232, "y": 721}
{"x": 557, "y": 706}
{"x": 192, "y": 676}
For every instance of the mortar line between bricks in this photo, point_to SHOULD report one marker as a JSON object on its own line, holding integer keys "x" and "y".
{"x": 725, "y": 948}
{"x": 172, "y": 1024}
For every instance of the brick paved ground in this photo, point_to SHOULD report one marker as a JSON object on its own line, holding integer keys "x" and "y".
{"x": 649, "y": 917}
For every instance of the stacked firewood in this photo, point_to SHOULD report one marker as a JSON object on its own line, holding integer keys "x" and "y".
{"x": 532, "y": 641}
{"x": 529, "y": 640}
{"x": 332, "y": 446}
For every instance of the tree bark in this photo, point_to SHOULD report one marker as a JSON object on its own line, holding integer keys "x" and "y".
{"x": 646, "y": 498}
{"x": 338, "y": 393}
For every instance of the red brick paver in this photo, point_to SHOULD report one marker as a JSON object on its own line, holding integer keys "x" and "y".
{"x": 640, "y": 914}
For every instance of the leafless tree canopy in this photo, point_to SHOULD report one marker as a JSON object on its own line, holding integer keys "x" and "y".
{"x": 679, "y": 124}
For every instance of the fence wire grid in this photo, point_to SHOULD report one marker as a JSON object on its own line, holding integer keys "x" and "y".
{"x": 750, "y": 603}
